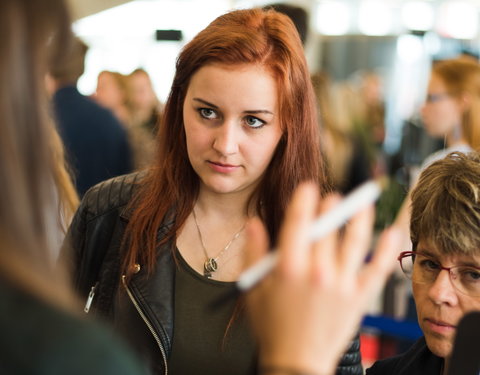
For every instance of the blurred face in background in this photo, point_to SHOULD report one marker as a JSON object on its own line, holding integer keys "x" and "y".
{"x": 143, "y": 96}
{"x": 441, "y": 113}
{"x": 109, "y": 93}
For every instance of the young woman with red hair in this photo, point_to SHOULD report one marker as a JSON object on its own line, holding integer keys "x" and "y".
{"x": 154, "y": 252}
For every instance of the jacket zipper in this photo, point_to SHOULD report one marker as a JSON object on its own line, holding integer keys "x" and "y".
{"x": 148, "y": 324}
{"x": 86, "y": 309}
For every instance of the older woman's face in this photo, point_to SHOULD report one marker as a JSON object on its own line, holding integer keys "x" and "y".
{"x": 232, "y": 126}
{"x": 440, "y": 305}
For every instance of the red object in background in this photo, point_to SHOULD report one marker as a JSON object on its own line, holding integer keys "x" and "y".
{"x": 369, "y": 348}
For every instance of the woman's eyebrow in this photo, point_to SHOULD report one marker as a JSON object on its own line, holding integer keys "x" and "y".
{"x": 469, "y": 263}
{"x": 258, "y": 111}
{"x": 250, "y": 111}
{"x": 205, "y": 102}
{"x": 428, "y": 253}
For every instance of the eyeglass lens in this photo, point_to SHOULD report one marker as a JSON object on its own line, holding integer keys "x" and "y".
{"x": 424, "y": 270}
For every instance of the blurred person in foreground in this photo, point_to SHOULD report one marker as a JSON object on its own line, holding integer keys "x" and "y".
{"x": 305, "y": 312}
{"x": 41, "y": 332}
{"x": 96, "y": 143}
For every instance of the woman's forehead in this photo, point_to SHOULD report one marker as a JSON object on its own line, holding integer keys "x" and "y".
{"x": 458, "y": 258}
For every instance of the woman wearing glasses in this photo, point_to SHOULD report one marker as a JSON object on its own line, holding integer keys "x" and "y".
{"x": 451, "y": 111}
{"x": 444, "y": 266}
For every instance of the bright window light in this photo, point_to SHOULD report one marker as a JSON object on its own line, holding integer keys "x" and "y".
{"x": 375, "y": 18}
{"x": 332, "y": 18}
{"x": 418, "y": 15}
{"x": 458, "y": 19}
{"x": 409, "y": 48}
{"x": 123, "y": 38}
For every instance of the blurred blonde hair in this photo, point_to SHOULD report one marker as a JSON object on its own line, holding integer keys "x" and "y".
{"x": 461, "y": 77}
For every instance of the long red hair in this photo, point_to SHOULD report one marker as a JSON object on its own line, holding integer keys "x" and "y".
{"x": 253, "y": 36}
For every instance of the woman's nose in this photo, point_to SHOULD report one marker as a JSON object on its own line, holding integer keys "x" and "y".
{"x": 442, "y": 290}
{"x": 226, "y": 138}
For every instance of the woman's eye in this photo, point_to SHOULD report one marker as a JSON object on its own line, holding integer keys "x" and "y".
{"x": 469, "y": 274}
{"x": 254, "y": 122}
{"x": 207, "y": 113}
{"x": 429, "y": 265}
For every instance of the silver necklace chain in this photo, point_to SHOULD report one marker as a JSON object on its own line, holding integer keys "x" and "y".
{"x": 211, "y": 263}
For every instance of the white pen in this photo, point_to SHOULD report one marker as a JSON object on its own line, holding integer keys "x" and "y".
{"x": 359, "y": 198}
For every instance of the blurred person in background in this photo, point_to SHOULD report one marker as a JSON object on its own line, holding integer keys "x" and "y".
{"x": 152, "y": 251}
{"x": 298, "y": 15}
{"x": 452, "y": 112}
{"x": 146, "y": 107}
{"x": 146, "y": 115}
{"x": 41, "y": 329}
{"x": 96, "y": 143}
{"x": 348, "y": 163}
{"x": 113, "y": 92}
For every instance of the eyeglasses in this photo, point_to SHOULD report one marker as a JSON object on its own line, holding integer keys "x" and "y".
{"x": 423, "y": 269}
{"x": 433, "y": 98}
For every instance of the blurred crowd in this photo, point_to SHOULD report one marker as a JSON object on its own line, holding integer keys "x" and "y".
{"x": 110, "y": 133}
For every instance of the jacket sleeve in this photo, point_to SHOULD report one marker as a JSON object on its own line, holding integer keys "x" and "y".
{"x": 351, "y": 361}
{"x": 92, "y": 245}
{"x": 73, "y": 250}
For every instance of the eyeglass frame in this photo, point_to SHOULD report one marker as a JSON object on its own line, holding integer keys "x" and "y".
{"x": 405, "y": 254}
{"x": 434, "y": 98}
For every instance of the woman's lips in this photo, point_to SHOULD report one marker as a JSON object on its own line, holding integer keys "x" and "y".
{"x": 222, "y": 168}
{"x": 439, "y": 326}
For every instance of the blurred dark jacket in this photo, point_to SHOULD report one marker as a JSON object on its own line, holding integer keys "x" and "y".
{"x": 418, "y": 360}
{"x": 96, "y": 144}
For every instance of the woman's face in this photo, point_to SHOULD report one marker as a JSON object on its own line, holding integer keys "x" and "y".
{"x": 143, "y": 96}
{"x": 441, "y": 113}
{"x": 440, "y": 306}
{"x": 232, "y": 126}
{"x": 108, "y": 92}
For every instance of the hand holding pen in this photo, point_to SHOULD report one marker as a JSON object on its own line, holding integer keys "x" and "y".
{"x": 306, "y": 310}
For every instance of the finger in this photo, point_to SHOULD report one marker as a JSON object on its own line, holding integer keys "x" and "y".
{"x": 375, "y": 274}
{"x": 294, "y": 243}
{"x": 257, "y": 242}
{"x": 324, "y": 250}
{"x": 356, "y": 242}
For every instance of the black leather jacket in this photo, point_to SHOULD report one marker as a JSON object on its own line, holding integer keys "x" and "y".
{"x": 145, "y": 306}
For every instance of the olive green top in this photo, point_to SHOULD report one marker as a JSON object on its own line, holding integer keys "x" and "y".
{"x": 201, "y": 342}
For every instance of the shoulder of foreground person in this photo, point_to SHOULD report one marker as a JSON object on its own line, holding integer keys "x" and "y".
{"x": 38, "y": 338}
{"x": 418, "y": 360}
